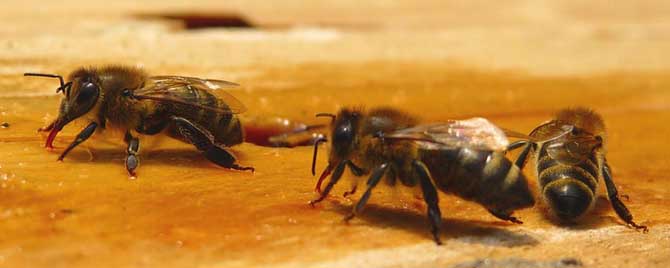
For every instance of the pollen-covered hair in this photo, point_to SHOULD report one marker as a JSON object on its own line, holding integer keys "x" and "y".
{"x": 583, "y": 118}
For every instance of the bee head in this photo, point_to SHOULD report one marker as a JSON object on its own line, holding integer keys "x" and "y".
{"x": 81, "y": 96}
{"x": 343, "y": 127}
{"x": 343, "y": 134}
{"x": 81, "y": 93}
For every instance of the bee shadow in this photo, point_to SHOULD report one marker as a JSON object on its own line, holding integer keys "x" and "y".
{"x": 172, "y": 157}
{"x": 467, "y": 231}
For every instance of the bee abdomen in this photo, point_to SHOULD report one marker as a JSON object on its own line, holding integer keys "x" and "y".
{"x": 568, "y": 189}
{"x": 230, "y": 130}
{"x": 471, "y": 163}
{"x": 496, "y": 168}
{"x": 558, "y": 172}
{"x": 225, "y": 127}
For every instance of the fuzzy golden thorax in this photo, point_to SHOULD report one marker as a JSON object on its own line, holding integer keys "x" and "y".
{"x": 111, "y": 106}
{"x": 584, "y": 119}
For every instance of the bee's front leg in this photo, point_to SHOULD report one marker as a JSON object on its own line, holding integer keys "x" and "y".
{"x": 48, "y": 127}
{"x": 357, "y": 171}
{"x": 132, "y": 161}
{"x": 351, "y": 192}
{"x": 81, "y": 137}
{"x": 337, "y": 174}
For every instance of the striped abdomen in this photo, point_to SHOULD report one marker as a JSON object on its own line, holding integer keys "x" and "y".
{"x": 485, "y": 177}
{"x": 225, "y": 127}
{"x": 568, "y": 189}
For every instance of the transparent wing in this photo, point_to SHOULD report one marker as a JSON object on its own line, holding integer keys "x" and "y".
{"x": 209, "y": 83}
{"x": 551, "y": 130}
{"x": 572, "y": 150}
{"x": 195, "y": 92}
{"x": 476, "y": 133}
{"x": 513, "y": 134}
{"x": 562, "y": 144}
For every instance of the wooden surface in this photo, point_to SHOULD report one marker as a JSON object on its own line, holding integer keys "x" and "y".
{"x": 514, "y": 64}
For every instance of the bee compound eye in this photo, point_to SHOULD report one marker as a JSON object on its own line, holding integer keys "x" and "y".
{"x": 87, "y": 91}
{"x": 343, "y": 133}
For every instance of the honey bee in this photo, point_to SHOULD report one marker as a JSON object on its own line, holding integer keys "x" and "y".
{"x": 570, "y": 157}
{"x": 189, "y": 109}
{"x": 465, "y": 158}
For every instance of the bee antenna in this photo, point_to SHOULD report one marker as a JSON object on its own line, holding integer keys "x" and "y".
{"x": 63, "y": 85}
{"x": 332, "y": 116}
{"x": 65, "y": 88}
{"x": 326, "y": 114}
{"x": 316, "y": 149}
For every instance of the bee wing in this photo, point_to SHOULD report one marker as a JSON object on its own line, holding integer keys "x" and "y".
{"x": 210, "y": 83}
{"x": 573, "y": 150}
{"x": 191, "y": 91}
{"x": 551, "y": 130}
{"x": 476, "y": 133}
{"x": 513, "y": 134}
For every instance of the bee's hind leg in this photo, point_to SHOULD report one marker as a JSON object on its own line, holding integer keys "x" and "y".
{"x": 220, "y": 156}
{"x": 204, "y": 142}
{"x": 618, "y": 206}
{"x": 430, "y": 196}
{"x": 132, "y": 160}
{"x": 505, "y": 216}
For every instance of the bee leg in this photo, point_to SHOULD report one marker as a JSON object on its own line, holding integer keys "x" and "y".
{"x": 375, "y": 177}
{"x": 505, "y": 216}
{"x": 132, "y": 161}
{"x": 613, "y": 195}
{"x": 350, "y": 192}
{"x": 523, "y": 156}
{"x": 430, "y": 196}
{"x": 515, "y": 145}
{"x": 291, "y": 140}
{"x": 81, "y": 137}
{"x": 357, "y": 171}
{"x": 337, "y": 174}
{"x": 220, "y": 156}
{"x": 204, "y": 142}
{"x": 48, "y": 127}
